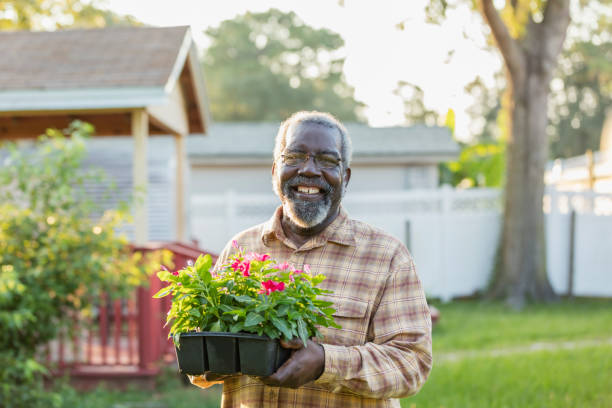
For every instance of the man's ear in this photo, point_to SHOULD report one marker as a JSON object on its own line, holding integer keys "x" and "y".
{"x": 347, "y": 176}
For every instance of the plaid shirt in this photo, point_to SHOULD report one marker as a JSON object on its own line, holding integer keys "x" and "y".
{"x": 382, "y": 352}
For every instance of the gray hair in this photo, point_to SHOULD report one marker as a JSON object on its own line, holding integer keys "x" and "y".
{"x": 316, "y": 118}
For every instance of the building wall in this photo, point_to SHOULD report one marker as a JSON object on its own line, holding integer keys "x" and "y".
{"x": 257, "y": 179}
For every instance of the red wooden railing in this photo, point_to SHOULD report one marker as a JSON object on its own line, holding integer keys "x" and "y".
{"x": 125, "y": 339}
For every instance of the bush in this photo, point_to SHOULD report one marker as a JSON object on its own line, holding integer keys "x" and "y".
{"x": 58, "y": 252}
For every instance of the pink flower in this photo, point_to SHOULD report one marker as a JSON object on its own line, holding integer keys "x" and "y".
{"x": 235, "y": 244}
{"x": 283, "y": 267}
{"x": 253, "y": 256}
{"x": 243, "y": 267}
{"x": 270, "y": 286}
{"x": 175, "y": 273}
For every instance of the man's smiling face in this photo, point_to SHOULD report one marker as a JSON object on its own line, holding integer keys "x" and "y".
{"x": 311, "y": 193}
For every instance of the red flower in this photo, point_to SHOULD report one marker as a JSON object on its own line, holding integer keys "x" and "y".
{"x": 244, "y": 267}
{"x": 270, "y": 286}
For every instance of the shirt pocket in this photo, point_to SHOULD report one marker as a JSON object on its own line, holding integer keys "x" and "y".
{"x": 351, "y": 314}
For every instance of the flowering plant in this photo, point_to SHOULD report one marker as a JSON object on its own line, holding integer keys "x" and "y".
{"x": 250, "y": 293}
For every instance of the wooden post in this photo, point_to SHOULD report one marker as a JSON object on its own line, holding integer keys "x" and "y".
{"x": 140, "y": 133}
{"x": 179, "y": 143}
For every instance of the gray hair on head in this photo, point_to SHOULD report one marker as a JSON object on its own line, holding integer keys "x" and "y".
{"x": 315, "y": 118}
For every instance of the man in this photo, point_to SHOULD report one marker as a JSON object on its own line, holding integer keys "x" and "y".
{"x": 383, "y": 351}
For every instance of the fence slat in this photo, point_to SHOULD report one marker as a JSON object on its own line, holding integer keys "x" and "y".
{"x": 103, "y": 327}
{"x": 117, "y": 316}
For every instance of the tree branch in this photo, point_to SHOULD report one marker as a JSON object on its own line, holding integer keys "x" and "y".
{"x": 507, "y": 45}
{"x": 554, "y": 24}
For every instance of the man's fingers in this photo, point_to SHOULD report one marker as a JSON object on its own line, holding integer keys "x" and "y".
{"x": 281, "y": 374}
{"x": 208, "y": 376}
{"x": 294, "y": 343}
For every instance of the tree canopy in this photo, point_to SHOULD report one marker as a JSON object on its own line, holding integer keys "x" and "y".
{"x": 265, "y": 66}
{"x": 57, "y": 14}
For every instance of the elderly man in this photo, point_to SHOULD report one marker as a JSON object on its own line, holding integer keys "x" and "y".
{"x": 383, "y": 350}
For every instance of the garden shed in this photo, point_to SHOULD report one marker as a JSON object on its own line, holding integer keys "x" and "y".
{"x": 126, "y": 81}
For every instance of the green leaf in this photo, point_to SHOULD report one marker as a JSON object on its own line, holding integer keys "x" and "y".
{"x": 282, "y": 310}
{"x": 270, "y": 332}
{"x": 166, "y": 276}
{"x": 244, "y": 299}
{"x": 235, "y": 328}
{"x": 302, "y": 331}
{"x": 202, "y": 267}
{"x": 216, "y": 326}
{"x": 253, "y": 319}
{"x": 163, "y": 292}
{"x": 282, "y": 326}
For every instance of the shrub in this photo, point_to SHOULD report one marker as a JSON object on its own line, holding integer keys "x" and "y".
{"x": 58, "y": 252}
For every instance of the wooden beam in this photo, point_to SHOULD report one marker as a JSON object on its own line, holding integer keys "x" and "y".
{"x": 172, "y": 115}
{"x": 106, "y": 124}
{"x": 181, "y": 162}
{"x": 140, "y": 133}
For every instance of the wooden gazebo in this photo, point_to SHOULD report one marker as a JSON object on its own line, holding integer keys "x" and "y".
{"x": 139, "y": 81}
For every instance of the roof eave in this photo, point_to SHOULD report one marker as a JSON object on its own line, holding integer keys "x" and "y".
{"x": 78, "y": 99}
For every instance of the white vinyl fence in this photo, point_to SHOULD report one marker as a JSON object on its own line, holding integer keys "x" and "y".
{"x": 452, "y": 234}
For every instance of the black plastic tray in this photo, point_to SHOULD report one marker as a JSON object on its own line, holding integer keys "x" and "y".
{"x": 230, "y": 353}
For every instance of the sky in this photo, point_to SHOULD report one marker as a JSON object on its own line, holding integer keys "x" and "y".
{"x": 441, "y": 59}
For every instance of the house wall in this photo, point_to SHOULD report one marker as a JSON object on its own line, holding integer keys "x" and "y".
{"x": 257, "y": 179}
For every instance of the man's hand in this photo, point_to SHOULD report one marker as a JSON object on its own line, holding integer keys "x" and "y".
{"x": 306, "y": 364}
{"x": 207, "y": 379}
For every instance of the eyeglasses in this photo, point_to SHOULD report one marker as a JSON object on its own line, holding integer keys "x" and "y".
{"x": 322, "y": 161}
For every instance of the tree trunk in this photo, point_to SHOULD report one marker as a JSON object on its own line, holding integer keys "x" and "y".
{"x": 521, "y": 272}
{"x": 523, "y": 246}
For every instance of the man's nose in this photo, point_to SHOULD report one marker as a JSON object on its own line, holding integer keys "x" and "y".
{"x": 309, "y": 168}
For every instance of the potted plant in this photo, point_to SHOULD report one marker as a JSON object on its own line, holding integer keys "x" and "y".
{"x": 229, "y": 320}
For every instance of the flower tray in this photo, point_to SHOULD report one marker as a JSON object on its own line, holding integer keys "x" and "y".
{"x": 230, "y": 353}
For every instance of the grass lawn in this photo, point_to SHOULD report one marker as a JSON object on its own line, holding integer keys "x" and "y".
{"x": 472, "y": 325}
{"x": 546, "y": 378}
{"x": 559, "y": 379}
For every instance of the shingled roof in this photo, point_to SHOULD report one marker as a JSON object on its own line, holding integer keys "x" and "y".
{"x": 110, "y": 68}
{"x": 248, "y": 143}
{"x": 98, "y": 58}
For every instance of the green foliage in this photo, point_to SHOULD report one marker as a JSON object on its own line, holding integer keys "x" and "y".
{"x": 582, "y": 93}
{"x": 58, "y": 252}
{"x": 265, "y": 66}
{"x": 58, "y": 14}
{"x": 251, "y": 294}
{"x": 479, "y": 165}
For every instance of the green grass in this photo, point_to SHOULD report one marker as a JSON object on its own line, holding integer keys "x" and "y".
{"x": 556, "y": 378}
{"x": 171, "y": 392}
{"x": 472, "y": 325}
{"x": 559, "y": 379}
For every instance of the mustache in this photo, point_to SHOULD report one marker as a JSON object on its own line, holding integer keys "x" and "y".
{"x": 323, "y": 185}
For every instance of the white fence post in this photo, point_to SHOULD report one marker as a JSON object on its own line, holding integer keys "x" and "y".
{"x": 446, "y": 201}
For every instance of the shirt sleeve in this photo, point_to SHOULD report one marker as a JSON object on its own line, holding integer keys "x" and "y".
{"x": 397, "y": 360}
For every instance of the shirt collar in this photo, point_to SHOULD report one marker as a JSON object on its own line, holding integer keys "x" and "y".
{"x": 339, "y": 231}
